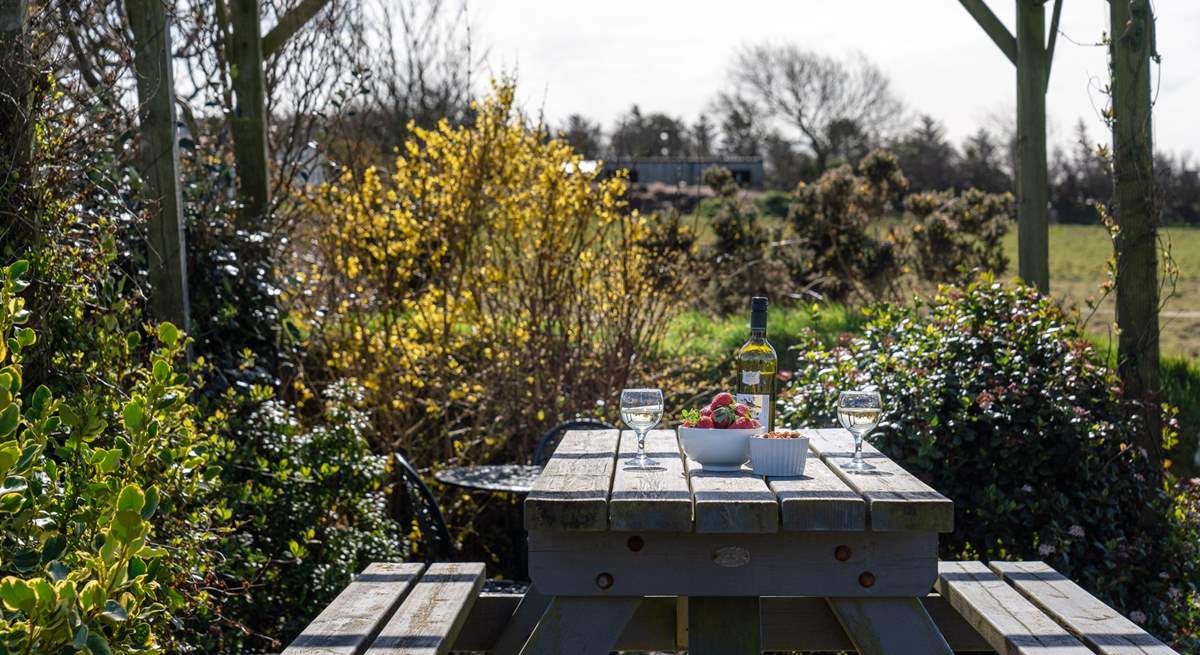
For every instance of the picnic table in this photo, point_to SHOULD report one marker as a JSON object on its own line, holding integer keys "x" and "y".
{"x": 685, "y": 559}
{"x": 603, "y": 536}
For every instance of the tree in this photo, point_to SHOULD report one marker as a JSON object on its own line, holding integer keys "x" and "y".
{"x": 1081, "y": 179}
{"x": 982, "y": 164}
{"x": 704, "y": 137}
{"x": 648, "y": 135}
{"x": 742, "y": 125}
{"x": 585, "y": 136}
{"x": 1032, "y": 54}
{"x": 828, "y": 102}
{"x": 1131, "y": 49}
{"x": 928, "y": 160}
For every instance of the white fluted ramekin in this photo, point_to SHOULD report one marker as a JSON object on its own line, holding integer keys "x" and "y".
{"x": 778, "y": 457}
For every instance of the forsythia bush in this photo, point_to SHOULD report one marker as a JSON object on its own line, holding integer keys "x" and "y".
{"x": 485, "y": 288}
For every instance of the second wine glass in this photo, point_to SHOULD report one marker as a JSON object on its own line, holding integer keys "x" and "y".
{"x": 859, "y": 412}
{"x": 641, "y": 410}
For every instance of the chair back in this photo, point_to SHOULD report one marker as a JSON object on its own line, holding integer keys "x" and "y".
{"x": 412, "y": 501}
{"x": 549, "y": 441}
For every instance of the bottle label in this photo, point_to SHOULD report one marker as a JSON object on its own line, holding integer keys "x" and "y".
{"x": 751, "y": 377}
{"x": 759, "y": 404}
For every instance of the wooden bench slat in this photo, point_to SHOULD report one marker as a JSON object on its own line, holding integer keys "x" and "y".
{"x": 732, "y": 501}
{"x": 429, "y": 620}
{"x": 896, "y": 499}
{"x": 651, "y": 500}
{"x": 1082, "y": 614}
{"x": 818, "y": 500}
{"x": 353, "y": 619}
{"x": 1011, "y": 624}
{"x": 572, "y": 491}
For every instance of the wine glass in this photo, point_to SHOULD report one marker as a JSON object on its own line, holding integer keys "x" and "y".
{"x": 641, "y": 409}
{"x": 859, "y": 412}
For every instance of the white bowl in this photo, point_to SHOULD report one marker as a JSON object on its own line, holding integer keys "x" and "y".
{"x": 717, "y": 449}
{"x": 778, "y": 457}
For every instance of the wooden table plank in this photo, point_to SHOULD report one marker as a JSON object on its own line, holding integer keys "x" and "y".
{"x": 1082, "y": 614}
{"x": 572, "y": 491}
{"x": 896, "y": 499}
{"x": 818, "y": 500}
{"x": 1011, "y": 624}
{"x": 430, "y": 619}
{"x": 651, "y": 500}
{"x": 353, "y": 619}
{"x": 732, "y": 501}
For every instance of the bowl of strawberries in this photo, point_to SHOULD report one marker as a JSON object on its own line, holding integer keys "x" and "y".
{"x": 718, "y": 435}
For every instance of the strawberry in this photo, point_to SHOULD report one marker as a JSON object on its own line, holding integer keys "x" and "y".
{"x": 690, "y": 416}
{"x": 743, "y": 423}
{"x": 723, "y": 416}
{"x": 706, "y": 411}
{"x": 689, "y": 424}
{"x": 705, "y": 422}
{"x": 723, "y": 399}
{"x": 754, "y": 423}
{"x": 741, "y": 410}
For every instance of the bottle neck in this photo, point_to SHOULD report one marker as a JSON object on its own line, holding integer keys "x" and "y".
{"x": 758, "y": 334}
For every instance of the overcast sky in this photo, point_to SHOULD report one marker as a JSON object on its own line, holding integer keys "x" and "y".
{"x": 599, "y": 57}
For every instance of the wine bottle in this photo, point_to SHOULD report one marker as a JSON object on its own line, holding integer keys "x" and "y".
{"x": 756, "y": 364}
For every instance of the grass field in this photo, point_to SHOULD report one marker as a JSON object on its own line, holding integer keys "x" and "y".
{"x": 1077, "y": 259}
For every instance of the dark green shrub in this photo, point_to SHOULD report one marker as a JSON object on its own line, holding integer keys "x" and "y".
{"x": 309, "y": 502}
{"x": 774, "y": 204}
{"x": 995, "y": 398}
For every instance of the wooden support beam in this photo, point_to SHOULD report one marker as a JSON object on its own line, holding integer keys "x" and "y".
{"x": 1052, "y": 39}
{"x": 249, "y": 120}
{"x": 992, "y": 27}
{"x": 1132, "y": 46}
{"x": 1033, "y": 178}
{"x": 289, "y": 24}
{"x": 159, "y": 161}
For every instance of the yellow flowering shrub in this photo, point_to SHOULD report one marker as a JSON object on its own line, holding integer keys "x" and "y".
{"x": 483, "y": 289}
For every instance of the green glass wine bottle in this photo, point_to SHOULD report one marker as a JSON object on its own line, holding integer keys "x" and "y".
{"x": 756, "y": 364}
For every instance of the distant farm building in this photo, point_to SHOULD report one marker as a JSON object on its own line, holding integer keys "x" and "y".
{"x": 687, "y": 171}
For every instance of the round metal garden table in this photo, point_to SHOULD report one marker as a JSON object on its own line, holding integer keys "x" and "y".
{"x": 514, "y": 481}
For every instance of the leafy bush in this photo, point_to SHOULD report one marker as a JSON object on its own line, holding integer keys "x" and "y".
{"x": 484, "y": 289}
{"x": 310, "y": 504}
{"x": 101, "y": 504}
{"x": 995, "y": 398}
{"x": 736, "y": 265}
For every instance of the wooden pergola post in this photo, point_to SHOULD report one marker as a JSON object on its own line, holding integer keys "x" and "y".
{"x": 159, "y": 157}
{"x": 1031, "y": 54}
{"x": 1132, "y": 47}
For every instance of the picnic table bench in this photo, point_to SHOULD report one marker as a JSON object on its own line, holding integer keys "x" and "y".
{"x": 681, "y": 558}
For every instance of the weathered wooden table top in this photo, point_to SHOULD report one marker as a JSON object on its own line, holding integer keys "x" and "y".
{"x": 586, "y": 487}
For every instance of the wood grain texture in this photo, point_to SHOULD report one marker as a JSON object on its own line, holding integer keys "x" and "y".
{"x": 651, "y": 500}
{"x": 1080, "y": 613}
{"x": 889, "y": 626}
{"x": 723, "y": 626}
{"x": 572, "y": 491}
{"x": 581, "y": 626}
{"x": 690, "y": 564}
{"x": 1009, "y": 622}
{"x": 522, "y": 622}
{"x": 818, "y": 500}
{"x": 353, "y": 619}
{"x": 732, "y": 501}
{"x": 429, "y": 620}
{"x": 896, "y": 499}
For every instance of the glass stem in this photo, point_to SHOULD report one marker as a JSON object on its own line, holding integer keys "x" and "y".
{"x": 641, "y": 445}
{"x": 858, "y": 439}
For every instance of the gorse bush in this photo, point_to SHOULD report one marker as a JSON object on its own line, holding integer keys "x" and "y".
{"x": 951, "y": 232}
{"x": 482, "y": 290}
{"x": 993, "y": 396}
{"x": 100, "y": 504}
